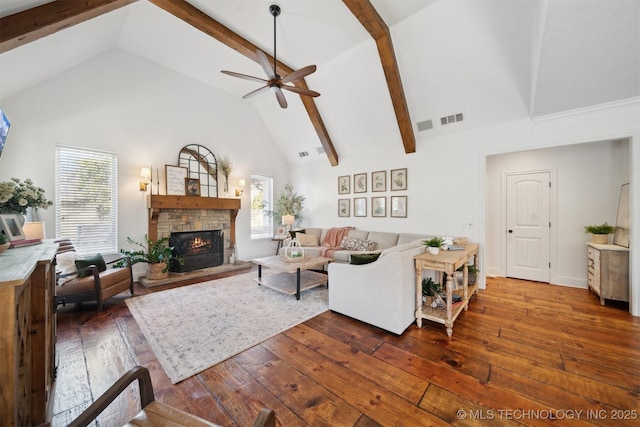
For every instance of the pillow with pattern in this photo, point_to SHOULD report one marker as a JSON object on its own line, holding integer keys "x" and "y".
{"x": 356, "y": 244}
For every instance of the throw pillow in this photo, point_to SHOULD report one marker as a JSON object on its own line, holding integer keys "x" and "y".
{"x": 96, "y": 260}
{"x": 307, "y": 239}
{"x": 355, "y": 244}
{"x": 66, "y": 264}
{"x": 360, "y": 259}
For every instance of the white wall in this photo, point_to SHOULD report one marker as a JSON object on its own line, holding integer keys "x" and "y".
{"x": 145, "y": 114}
{"x": 447, "y": 185}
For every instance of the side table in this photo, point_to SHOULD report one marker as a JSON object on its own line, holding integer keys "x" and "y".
{"x": 445, "y": 262}
{"x": 279, "y": 240}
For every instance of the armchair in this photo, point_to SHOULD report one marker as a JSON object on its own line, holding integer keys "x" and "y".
{"x": 154, "y": 413}
{"x": 97, "y": 285}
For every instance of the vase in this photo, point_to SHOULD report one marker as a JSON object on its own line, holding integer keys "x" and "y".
{"x": 155, "y": 272}
{"x": 4, "y": 247}
{"x": 433, "y": 250}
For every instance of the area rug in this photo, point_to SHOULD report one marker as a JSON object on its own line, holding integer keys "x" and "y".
{"x": 195, "y": 327}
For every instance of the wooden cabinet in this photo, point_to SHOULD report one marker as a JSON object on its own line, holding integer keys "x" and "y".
{"x": 608, "y": 271}
{"x": 27, "y": 334}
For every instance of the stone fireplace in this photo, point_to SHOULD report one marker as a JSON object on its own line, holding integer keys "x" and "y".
{"x": 177, "y": 214}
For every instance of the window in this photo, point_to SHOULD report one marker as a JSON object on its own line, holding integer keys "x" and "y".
{"x": 261, "y": 202}
{"x": 87, "y": 199}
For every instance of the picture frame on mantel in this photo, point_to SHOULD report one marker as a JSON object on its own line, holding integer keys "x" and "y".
{"x": 192, "y": 186}
{"x": 175, "y": 176}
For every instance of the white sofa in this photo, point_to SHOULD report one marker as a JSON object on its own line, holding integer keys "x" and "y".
{"x": 381, "y": 293}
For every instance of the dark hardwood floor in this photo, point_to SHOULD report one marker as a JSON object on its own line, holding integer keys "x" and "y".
{"x": 524, "y": 354}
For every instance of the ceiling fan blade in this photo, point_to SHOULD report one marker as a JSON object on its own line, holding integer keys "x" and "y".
{"x": 244, "y": 76}
{"x": 280, "y": 96}
{"x": 256, "y": 92}
{"x": 301, "y": 91}
{"x": 264, "y": 62}
{"x": 302, "y": 72}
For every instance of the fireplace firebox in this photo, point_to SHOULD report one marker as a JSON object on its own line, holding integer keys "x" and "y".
{"x": 198, "y": 249}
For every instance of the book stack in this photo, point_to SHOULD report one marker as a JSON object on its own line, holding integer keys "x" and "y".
{"x": 25, "y": 242}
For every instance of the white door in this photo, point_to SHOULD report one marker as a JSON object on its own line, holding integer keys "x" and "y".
{"x": 528, "y": 226}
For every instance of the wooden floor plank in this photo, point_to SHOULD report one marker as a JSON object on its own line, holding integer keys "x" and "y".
{"x": 376, "y": 402}
{"x": 522, "y": 345}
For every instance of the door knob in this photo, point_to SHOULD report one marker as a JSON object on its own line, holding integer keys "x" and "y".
{"x": 510, "y": 231}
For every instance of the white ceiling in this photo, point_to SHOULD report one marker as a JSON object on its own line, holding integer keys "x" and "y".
{"x": 493, "y": 60}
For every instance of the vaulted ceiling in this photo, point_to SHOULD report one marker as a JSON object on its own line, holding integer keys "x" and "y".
{"x": 396, "y": 63}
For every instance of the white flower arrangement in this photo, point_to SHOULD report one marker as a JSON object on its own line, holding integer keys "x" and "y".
{"x": 16, "y": 196}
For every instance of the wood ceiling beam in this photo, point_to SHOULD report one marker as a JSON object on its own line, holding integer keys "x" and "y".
{"x": 364, "y": 11}
{"x": 203, "y": 22}
{"x": 38, "y": 22}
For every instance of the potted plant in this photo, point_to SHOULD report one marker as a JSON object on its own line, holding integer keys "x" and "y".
{"x": 433, "y": 245}
{"x": 288, "y": 203}
{"x": 429, "y": 290}
{"x": 600, "y": 233}
{"x": 158, "y": 254}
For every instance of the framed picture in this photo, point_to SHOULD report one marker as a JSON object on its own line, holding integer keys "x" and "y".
{"x": 344, "y": 206}
{"x": 378, "y": 206}
{"x": 379, "y": 181}
{"x": 192, "y": 186}
{"x": 399, "y": 206}
{"x": 175, "y": 176}
{"x": 360, "y": 183}
{"x": 344, "y": 184}
{"x": 398, "y": 179}
{"x": 360, "y": 206}
{"x": 11, "y": 226}
{"x": 281, "y": 232}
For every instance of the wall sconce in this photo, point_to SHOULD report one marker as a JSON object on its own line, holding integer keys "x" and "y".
{"x": 240, "y": 190}
{"x": 145, "y": 177}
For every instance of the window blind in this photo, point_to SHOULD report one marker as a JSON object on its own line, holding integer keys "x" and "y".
{"x": 87, "y": 199}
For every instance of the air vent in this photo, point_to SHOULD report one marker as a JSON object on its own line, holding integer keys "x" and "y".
{"x": 320, "y": 150}
{"x": 425, "y": 125}
{"x": 303, "y": 154}
{"x": 453, "y": 118}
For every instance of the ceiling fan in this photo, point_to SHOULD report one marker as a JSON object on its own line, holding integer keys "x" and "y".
{"x": 275, "y": 82}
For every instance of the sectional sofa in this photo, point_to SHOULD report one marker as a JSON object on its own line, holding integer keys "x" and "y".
{"x": 311, "y": 240}
{"x": 381, "y": 293}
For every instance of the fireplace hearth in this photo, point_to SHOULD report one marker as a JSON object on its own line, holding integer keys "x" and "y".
{"x": 198, "y": 249}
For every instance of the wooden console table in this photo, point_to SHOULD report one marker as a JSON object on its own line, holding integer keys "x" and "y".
{"x": 445, "y": 262}
{"x": 27, "y": 334}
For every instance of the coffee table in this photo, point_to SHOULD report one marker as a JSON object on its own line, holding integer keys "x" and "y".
{"x": 292, "y": 277}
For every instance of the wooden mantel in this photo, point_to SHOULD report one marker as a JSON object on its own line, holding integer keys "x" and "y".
{"x": 155, "y": 203}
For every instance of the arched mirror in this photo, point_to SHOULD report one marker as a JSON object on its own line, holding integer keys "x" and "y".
{"x": 201, "y": 164}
